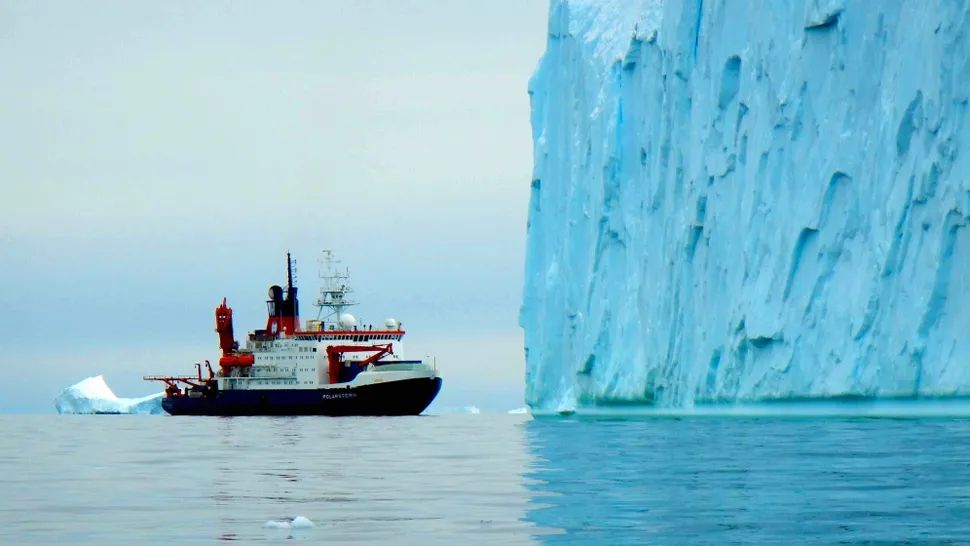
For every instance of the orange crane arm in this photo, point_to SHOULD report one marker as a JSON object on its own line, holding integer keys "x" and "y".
{"x": 334, "y": 352}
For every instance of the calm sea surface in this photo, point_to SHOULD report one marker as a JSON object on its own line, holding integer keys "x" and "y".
{"x": 484, "y": 479}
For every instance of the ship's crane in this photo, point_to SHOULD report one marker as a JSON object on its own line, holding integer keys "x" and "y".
{"x": 335, "y": 352}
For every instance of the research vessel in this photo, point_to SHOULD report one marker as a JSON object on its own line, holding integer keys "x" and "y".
{"x": 329, "y": 366}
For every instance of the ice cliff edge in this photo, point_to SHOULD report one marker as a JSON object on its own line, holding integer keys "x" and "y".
{"x": 749, "y": 200}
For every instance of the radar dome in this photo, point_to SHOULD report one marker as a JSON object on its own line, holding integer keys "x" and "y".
{"x": 391, "y": 324}
{"x": 347, "y": 321}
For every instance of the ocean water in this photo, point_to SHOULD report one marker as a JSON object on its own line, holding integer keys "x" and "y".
{"x": 485, "y": 479}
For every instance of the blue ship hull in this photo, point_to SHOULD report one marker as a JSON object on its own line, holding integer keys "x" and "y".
{"x": 404, "y": 397}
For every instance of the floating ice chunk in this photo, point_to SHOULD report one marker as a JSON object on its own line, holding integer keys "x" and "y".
{"x": 458, "y": 410}
{"x": 93, "y": 396}
{"x": 519, "y": 411}
{"x": 298, "y": 522}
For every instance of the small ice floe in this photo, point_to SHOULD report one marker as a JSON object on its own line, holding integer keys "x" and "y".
{"x": 298, "y": 522}
{"x": 519, "y": 411}
{"x": 458, "y": 410}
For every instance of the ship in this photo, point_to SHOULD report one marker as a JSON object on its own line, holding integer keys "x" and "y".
{"x": 331, "y": 365}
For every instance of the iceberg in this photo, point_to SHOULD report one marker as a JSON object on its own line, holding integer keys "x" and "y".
{"x": 93, "y": 395}
{"x": 736, "y": 202}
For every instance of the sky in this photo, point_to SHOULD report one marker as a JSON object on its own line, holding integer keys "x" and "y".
{"x": 156, "y": 157}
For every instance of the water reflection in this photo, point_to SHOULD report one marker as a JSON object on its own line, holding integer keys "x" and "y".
{"x": 446, "y": 479}
{"x": 734, "y": 480}
{"x": 588, "y": 482}
{"x": 487, "y": 479}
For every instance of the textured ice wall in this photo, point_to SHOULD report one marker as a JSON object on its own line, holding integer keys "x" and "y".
{"x": 749, "y": 200}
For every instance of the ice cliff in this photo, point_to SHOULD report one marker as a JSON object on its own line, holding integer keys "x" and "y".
{"x": 744, "y": 200}
{"x": 93, "y": 395}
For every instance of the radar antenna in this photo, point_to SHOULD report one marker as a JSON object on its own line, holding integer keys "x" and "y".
{"x": 335, "y": 287}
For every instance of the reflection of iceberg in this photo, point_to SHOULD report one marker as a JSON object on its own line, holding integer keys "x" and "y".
{"x": 731, "y": 480}
{"x": 93, "y": 395}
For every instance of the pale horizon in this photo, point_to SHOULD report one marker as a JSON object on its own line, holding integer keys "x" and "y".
{"x": 160, "y": 157}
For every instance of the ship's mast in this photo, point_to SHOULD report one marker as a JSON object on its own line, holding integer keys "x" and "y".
{"x": 289, "y": 272}
{"x": 334, "y": 287}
